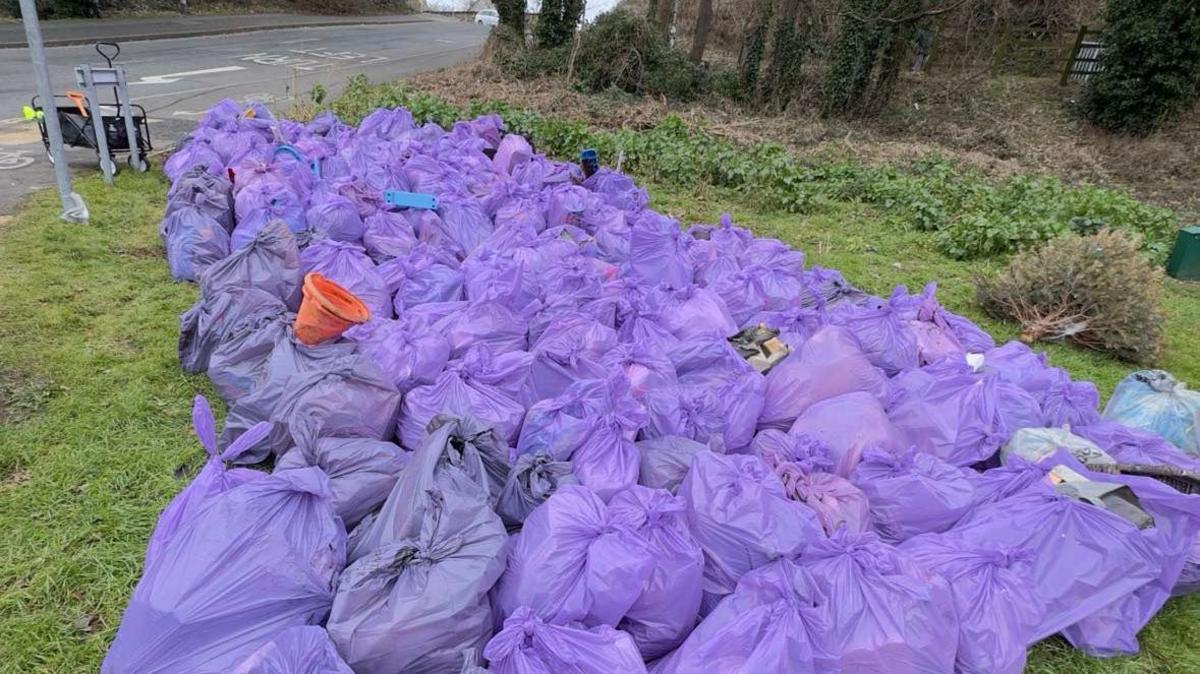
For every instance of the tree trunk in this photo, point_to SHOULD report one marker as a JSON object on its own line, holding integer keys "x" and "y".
{"x": 662, "y": 16}
{"x": 703, "y": 24}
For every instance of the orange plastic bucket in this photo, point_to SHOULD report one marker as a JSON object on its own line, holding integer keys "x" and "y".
{"x": 327, "y": 310}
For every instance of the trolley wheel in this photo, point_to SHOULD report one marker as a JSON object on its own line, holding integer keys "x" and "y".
{"x": 50, "y": 156}
{"x": 112, "y": 164}
{"x": 141, "y": 165}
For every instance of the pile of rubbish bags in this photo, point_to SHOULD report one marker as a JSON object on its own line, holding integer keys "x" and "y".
{"x": 574, "y": 436}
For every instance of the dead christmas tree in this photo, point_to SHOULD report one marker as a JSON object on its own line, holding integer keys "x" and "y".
{"x": 1100, "y": 292}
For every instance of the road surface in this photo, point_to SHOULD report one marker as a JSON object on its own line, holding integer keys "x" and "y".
{"x": 177, "y": 79}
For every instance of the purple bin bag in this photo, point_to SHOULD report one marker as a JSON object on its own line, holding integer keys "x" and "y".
{"x": 265, "y": 201}
{"x": 617, "y": 189}
{"x": 828, "y": 364}
{"x": 802, "y": 465}
{"x": 348, "y": 265}
{"x": 408, "y": 353}
{"x": 645, "y": 366}
{"x": 728, "y": 411}
{"x": 416, "y": 593}
{"x": 694, "y": 312}
{"x": 757, "y": 288}
{"x": 194, "y": 241}
{"x": 204, "y": 326}
{"x": 532, "y": 479}
{"x": 775, "y": 621}
{"x": 796, "y": 325}
{"x": 885, "y": 614}
{"x": 997, "y": 605}
{"x": 334, "y": 216}
{"x": 666, "y": 460}
{"x": 1128, "y": 445}
{"x": 836, "y": 501}
{"x": 606, "y": 459}
{"x": 571, "y": 348}
{"x": 575, "y": 560}
{"x": 885, "y": 336}
{"x": 463, "y": 223}
{"x": 194, "y": 154}
{"x": 849, "y": 424}
{"x": 480, "y": 384}
{"x": 425, "y": 275}
{"x": 955, "y": 417}
{"x": 912, "y": 493}
{"x": 1013, "y": 477}
{"x": 361, "y": 471}
{"x": 740, "y": 515}
{"x": 668, "y": 606}
{"x": 513, "y": 151}
{"x": 484, "y": 323}
{"x": 256, "y": 559}
{"x": 529, "y": 645}
{"x": 213, "y": 479}
{"x": 387, "y": 235}
{"x": 730, "y": 238}
{"x": 1113, "y": 629}
{"x": 558, "y": 426}
{"x": 1063, "y": 401}
{"x": 295, "y": 650}
{"x": 270, "y": 263}
{"x": 658, "y": 251}
{"x": 1085, "y": 558}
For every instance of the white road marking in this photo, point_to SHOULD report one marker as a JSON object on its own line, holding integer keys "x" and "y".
{"x": 170, "y": 78}
{"x": 187, "y": 113}
{"x": 14, "y": 159}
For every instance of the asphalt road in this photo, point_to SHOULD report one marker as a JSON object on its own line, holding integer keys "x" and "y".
{"x": 177, "y": 79}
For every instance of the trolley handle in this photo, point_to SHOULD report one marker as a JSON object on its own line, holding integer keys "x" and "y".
{"x": 115, "y": 50}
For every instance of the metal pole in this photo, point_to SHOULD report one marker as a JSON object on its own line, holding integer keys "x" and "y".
{"x": 74, "y": 210}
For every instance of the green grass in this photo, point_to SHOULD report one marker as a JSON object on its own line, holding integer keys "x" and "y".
{"x": 94, "y": 410}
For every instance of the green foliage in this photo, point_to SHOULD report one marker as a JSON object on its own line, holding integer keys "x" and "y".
{"x": 556, "y": 22}
{"x": 970, "y": 216}
{"x": 1099, "y": 292}
{"x": 1151, "y": 65}
{"x": 627, "y": 52}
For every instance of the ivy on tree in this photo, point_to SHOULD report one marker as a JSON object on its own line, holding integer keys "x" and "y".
{"x": 1151, "y": 62}
{"x": 556, "y": 22}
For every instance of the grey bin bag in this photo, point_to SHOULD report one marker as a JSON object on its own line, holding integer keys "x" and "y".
{"x": 532, "y": 480}
{"x": 417, "y": 595}
{"x": 258, "y": 358}
{"x": 214, "y": 192}
{"x": 346, "y": 396}
{"x": 241, "y": 357}
{"x": 204, "y": 326}
{"x": 362, "y": 471}
{"x": 270, "y": 263}
{"x": 664, "y": 462}
{"x": 446, "y": 462}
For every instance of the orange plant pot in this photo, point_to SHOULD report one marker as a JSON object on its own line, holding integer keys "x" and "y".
{"x": 327, "y": 310}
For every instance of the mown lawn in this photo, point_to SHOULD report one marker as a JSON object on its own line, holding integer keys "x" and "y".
{"x": 95, "y": 425}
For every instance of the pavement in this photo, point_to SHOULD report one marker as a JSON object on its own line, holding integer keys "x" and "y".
{"x": 177, "y": 79}
{"x": 65, "y": 32}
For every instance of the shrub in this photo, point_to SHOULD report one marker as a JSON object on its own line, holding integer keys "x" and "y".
{"x": 1097, "y": 291}
{"x": 1151, "y": 65}
{"x": 627, "y": 52}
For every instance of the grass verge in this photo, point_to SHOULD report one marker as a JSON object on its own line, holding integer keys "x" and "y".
{"x": 98, "y": 438}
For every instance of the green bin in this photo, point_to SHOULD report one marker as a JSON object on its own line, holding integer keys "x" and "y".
{"x": 1184, "y": 263}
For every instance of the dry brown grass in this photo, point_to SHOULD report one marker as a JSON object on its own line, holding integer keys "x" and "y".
{"x": 1000, "y": 126}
